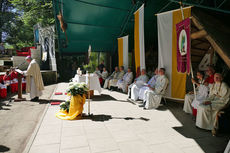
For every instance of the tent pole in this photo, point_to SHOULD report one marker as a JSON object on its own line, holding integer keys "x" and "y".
{"x": 194, "y": 88}
{"x": 88, "y": 94}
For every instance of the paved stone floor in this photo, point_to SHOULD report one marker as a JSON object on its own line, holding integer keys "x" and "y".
{"x": 19, "y": 119}
{"x": 118, "y": 126}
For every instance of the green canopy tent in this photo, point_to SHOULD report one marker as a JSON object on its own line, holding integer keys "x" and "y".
{"x": 100, "y": 22}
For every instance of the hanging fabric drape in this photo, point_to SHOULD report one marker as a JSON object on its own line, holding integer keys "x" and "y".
{"x": 167, "y": 50}
{"x": 139, "y": 43}
{"x": 123, "y": 50}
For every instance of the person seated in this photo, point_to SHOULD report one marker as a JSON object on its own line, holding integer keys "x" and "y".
{"x": 97, "y": 72}
{"x": 104, "y": 75}
{"x": 125, "y": 81}
{"x": 189, "y": 97}
{"x": 151, "y": 83}
{"x": 133, "y": 89}
{"x": 14, "y": 81}
{"x": 152, "y": 97}
{"x": 113, "y": 82}
{"x": 3, "y": 91}
{"x": 210, "y": 73}
{"x": 218, "y": 97}
{"x": 99, "y": 75}
{"x": 201, "y": 95}
{"x": 113, "y": 75}
{"x": 222, "y": 124}
{"x": 7, "y": 78}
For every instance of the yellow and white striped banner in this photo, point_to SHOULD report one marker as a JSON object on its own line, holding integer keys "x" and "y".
{"x": 123, "y": 50}
{"x": 167, "y": 50}
{"x": 139, "y": 43}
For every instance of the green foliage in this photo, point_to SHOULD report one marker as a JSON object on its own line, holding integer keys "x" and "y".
{"x": 93, "y": 62}
{"x": 28, "y": 14}
{"x": 7, "y": 18}
{"x": 77, "y": 89}
{"x": 65, "y": 105}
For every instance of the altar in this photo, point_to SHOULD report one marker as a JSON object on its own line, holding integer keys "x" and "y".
{"x": 93, "y": 81}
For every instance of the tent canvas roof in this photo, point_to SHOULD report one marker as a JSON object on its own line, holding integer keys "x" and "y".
{"x": 100, "y": 22}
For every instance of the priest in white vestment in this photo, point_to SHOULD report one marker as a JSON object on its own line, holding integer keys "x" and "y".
{"x": 113, "y": 75}
{"x": 136, "y": 86}
{"x": 201, "y": 93}
{"x": 151, "y": 83}
{"x": 125, "y": 81}
{"x": 152, "y": 98}
{"x": 113, "y": 82}
{"x": 218, "y": 98}
{"x": 34, "y": 82}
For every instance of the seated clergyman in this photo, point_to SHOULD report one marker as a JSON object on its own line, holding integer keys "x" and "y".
{"x": 139, "y": 82}
{"x": 125, "y": 81}
{"x": 104, "y": 73}
{"x": 99, "y": 75}
{"x": 113, "y": 75}
{"x": 217, "y": 99}
{"x": 201, "y": 94}
{"x": 113, "y": 82}
{"x": 152, "y": 98}
{"x": 97, "y": 72}
{"x": 151, "y": 83}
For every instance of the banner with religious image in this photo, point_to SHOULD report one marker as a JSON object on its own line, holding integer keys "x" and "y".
{"x": 167, "y": 50}
{"x": 183, "y": 46}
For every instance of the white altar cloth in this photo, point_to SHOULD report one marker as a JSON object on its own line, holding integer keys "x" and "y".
{"x": 94, "y": 81}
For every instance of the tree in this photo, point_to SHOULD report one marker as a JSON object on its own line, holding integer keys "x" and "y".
{"x": 30, "y": 12}
{"x": 7, "y": 18}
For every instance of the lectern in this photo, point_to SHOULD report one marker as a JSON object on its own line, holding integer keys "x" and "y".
{"x": 20, "y": 75}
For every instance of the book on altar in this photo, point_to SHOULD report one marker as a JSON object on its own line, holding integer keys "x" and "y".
{"x": 19, "y": 71}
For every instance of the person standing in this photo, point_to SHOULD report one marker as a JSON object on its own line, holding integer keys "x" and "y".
{"x": 101, "y": 66}
{"x": 34, "y": 82}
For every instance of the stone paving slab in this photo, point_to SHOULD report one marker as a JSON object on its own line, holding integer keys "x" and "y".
{"x": 19, "y": 119}
{"x": 118, "y": 126}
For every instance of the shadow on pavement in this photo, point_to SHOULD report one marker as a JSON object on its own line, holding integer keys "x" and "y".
{"x": 103, "y": 117}
{"x": 4, "y": 148}
{"x": 204, "y": 138}
{"x": 102, "y": 97}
